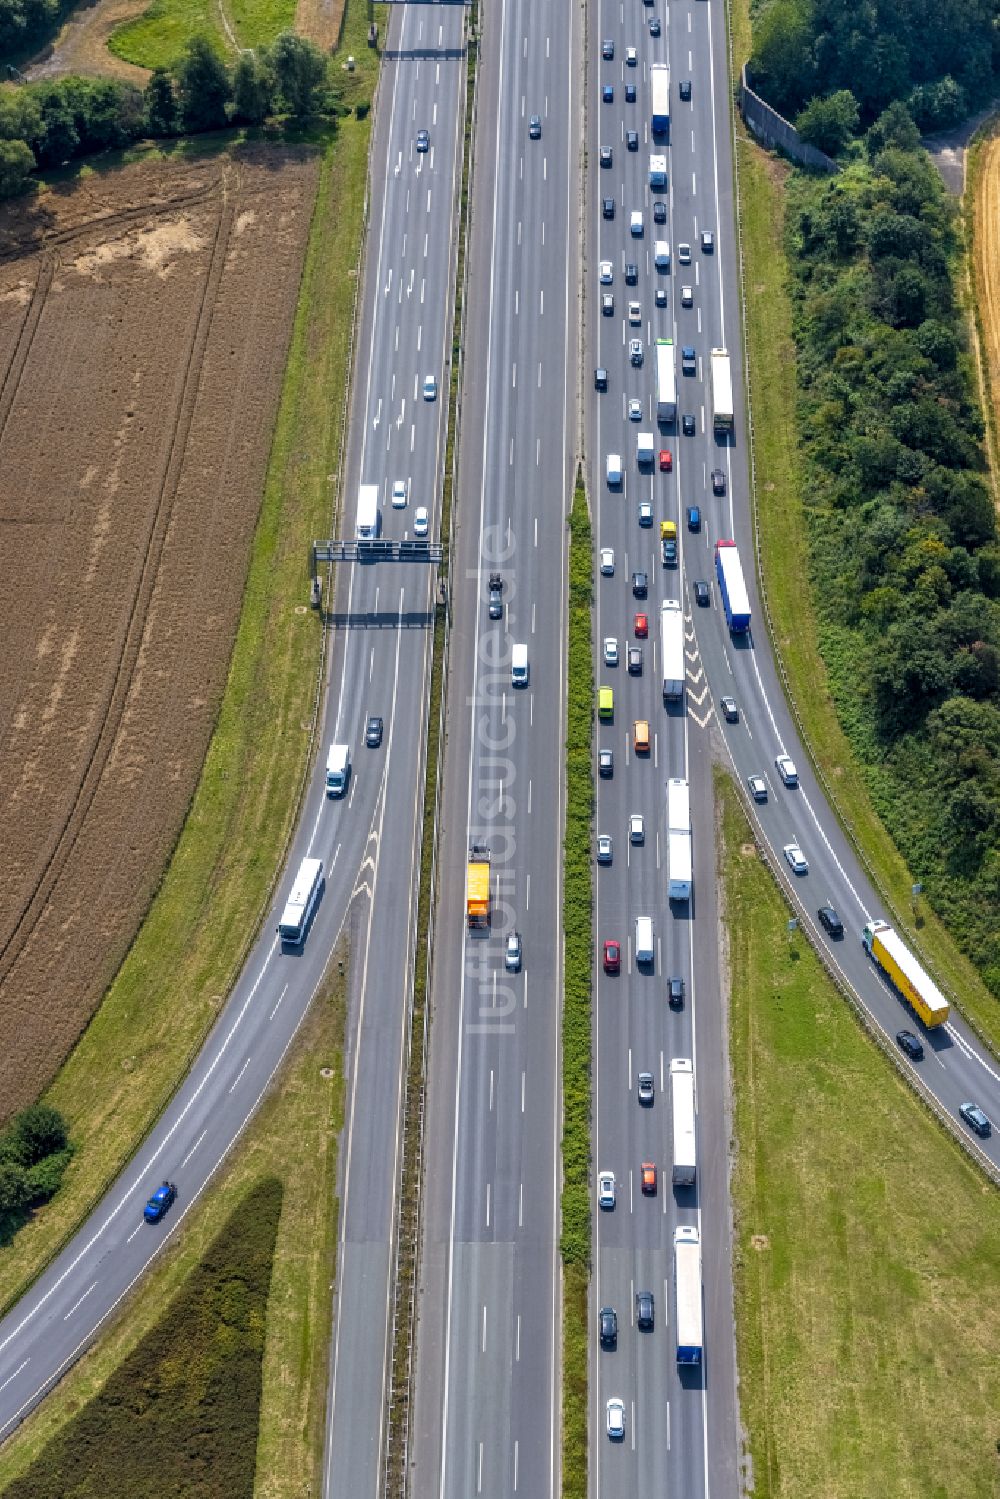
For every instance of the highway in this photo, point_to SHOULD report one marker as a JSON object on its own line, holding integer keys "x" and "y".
{"x": 487, "y": 1388}
{"x": 377, "y": 663}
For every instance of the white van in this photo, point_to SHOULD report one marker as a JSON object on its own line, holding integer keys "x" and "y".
{"x": 614, "y": 468}
{"x": 643, "y": 939}
{"x": 338, "y": 769}
{"x": 519, "y": 666}
{"x": 661, "y": 255}
{"x": 635, "y": 223}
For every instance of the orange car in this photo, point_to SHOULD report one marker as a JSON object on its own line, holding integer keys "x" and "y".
{"x": 641, "y": 626}
{"x": 640, "y": 736}
{"x": 649, "y": 1178}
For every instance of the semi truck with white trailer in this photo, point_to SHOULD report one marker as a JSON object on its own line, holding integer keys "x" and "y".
{"x": 689, "y": 1321}
{"x": 666, "y": 381}
{"x": 722, "y": 391}
{"x": 368, "y": 525}
{"x": 732, "y": 586}
{"x": 679, "y": 868}
{"x": 659, "y": 79}
{"x": 685, "y": 1161}
{"x": 672, "y": 648}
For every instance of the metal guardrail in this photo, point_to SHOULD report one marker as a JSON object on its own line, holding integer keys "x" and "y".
{"x": 848, "y": 991}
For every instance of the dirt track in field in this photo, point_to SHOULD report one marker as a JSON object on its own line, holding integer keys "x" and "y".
{"x": 144, "y": 323}
{"x": 986, "y": 263}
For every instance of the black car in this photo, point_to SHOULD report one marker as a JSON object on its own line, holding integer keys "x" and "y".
{"x": 496, "y": 604}
{"x": 631, "y": 273}
{"x": 639, "y": 585}
{"x": 911, "y": 1044}
{"x": 687, "y": 424}
{"x": 644, "y": 1310}
{"x": 675, "y": 991}
{"x": 975, "y": 1119}
{"x": 718, "y": 481}
{"x": 685, "y": 88}
{"x": 600, "y": 378}
{"x": 630, "y": 93}
{"x": 608, "y": 208}
{"x": 607, "y": 156}
{"x": 535, "y": 127}
{"x": 659, "y": 211}
{"x": 631, "y": 140}
{"x": 373, "y": 731}
{"x": 702, "y": 594}
{"x": 830, "y": 921}
{"x": 730, "y": 712}
{"x": 635, "y": 660}
{"x": 606, "y": 763}
{"x": 654, "y": 25}
{"x": 608, "y": 93}
{"x": 608, "y": 50}
{"x": 609, "y": 1327}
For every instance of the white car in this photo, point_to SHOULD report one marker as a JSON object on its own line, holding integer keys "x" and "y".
{"x": 645, "y": 512}
{"x": 420, "y": 521}
{"x": 635, "y": 313}
{"x": 610, "y": 651}
{"x": 636, "y": 828}
{"x": 785, "y": 766}
{"x": 512, "y": 955}
{"x": 635, "y": 351}
{"x": 604, "y": 848}
{"x": 606, "y": 272}
{"x": 631, "y": 57}
{"x": 684, "y": 253}
{"x": 635, "y": 410}
{"x": 635, "y": 223}
{"x": 616, "y": 1419}
{"x": 606, "y": 1189}
{"x": 687, "y": 296}
{"x": 707, "y": 241}
{"x": 430, "y": 387}
{"x": 796, "y": 858}
{"x": 399, "y": 494}
{"x": 758, "y": 788}
{"x": 607, "y": 561}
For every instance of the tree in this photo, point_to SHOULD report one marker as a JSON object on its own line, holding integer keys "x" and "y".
{"x": 160, "y": 104}
{"x": 203, "y": 87}
{"x": 894, "y": 128}
{"x": 828, "y": 124}
{"x": 253, "y": 89}
{"x": 13, "y": 1187}
{"x": 39, "y": 1131}
{"x": 57, "y": 139}
{"x": 782, "y": 67}
{"x": 300, "y": 71}
{"x": 17, "y": 162}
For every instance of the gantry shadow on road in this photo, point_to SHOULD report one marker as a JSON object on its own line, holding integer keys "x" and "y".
{"x": 378, "y": 619}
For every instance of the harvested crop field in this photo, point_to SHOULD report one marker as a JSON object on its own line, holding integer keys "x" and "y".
{"x": 145, "y": 315}
{"x": 986, "y": 261}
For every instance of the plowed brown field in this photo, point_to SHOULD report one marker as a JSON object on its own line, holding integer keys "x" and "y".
{"x": 145, "y": 316}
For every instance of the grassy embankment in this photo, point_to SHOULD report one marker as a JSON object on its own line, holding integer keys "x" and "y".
{"x": 867, "y": 1258}
{"x": 149, "y": 1399}
{"x": 577, "y": 1199}
{"x": 784, "y": 551}
{"x": 191, "y": 947}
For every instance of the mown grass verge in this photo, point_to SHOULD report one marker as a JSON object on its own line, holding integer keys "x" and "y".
{"x": 577, "y": 985}
{"x": 867, "y": 1249}
{"x": 784, "y": 557}
{"x": 191, "y": 947}
{"x": 149, "y": 1372}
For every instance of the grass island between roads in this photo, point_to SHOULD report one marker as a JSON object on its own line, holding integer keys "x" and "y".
{"x": 189, "y": 951}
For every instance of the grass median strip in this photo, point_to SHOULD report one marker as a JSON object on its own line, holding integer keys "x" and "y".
{"x": 191, "y": 947}
{"x": 290, "y": 1148}
{"x": 867, "y": 1251}
{"x": 578, "y": 979}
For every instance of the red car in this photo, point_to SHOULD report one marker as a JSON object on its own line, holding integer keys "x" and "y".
{"x": 641, "y": 626}
{"x": 666, "y": 460}
{"x": 649, "y": 1178}
{"x": 612, "y": 957}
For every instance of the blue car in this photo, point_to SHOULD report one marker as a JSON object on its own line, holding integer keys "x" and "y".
{"x": 694, "y": 518}
{"x": 608, "y": 93}
{"x": 160, "y": 1201}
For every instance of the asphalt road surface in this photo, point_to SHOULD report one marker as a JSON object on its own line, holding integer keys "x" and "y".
{"x": 487, "y": 1391}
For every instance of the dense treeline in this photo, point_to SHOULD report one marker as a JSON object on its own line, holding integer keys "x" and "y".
{"x": 34, "y": 1153}
{"x": 902, "y": 522}
{"x": 25, "y": 24}
{"x": 47, "y": 124}
{"x": 181, "y": 1414}
{"x": 940, "y": 56}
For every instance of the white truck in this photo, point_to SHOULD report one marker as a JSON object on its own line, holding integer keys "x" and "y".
{"x": 614, "y": 471}
{"x": 644, "y": 453}
{"x": 685, "y": 1164}
{"x": 722, "y": 391}
{"x": 688, "y": 1295}
{"x": 302, "y": 901}
{"x": 659, "y": 79}
{"x": 643, "y": 940}
{"x": 672, "y": 648}
{"x": 338, "y": 769}
{"x": 657, "y": 170}
{"x": 368, "y": 525}
{"x": 679, "y": 873}
{"x": 666, "y": 381}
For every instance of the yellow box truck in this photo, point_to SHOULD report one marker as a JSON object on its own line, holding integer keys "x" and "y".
{"x": 477, "y": 886}
{"x": 901, "y": 968}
